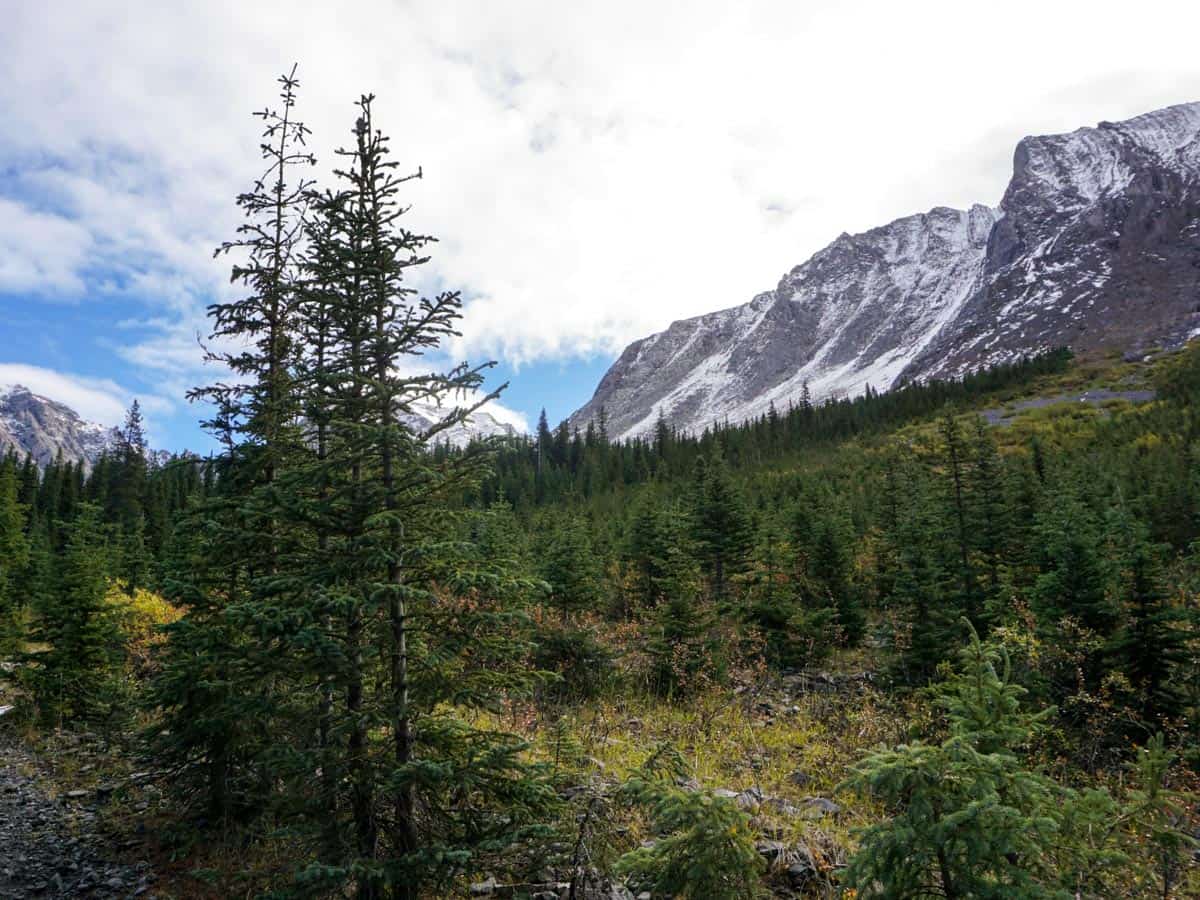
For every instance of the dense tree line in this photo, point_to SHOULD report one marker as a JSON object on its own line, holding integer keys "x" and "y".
{"x": 554, "y": 464}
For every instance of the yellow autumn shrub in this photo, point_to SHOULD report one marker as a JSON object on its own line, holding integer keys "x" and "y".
{"x": 141, "y": 616}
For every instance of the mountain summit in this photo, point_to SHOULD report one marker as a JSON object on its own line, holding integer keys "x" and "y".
{"x": 1096, "y": 243}
{"x": 43, "y": 428}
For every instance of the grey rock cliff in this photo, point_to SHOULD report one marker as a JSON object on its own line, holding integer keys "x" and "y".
{"x": 1096, "y": 243}
{"x": 36, "y": 425}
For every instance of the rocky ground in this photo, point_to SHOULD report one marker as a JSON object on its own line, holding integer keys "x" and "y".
{"x": 1005, "y": 415}
{"x": 48, "y": 846}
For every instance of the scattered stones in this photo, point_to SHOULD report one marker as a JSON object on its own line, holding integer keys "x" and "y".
{"x": 816, "y": 807}
{"x": 802, "y": 870}
{"x": 691, "y": 785}
{"x": 800, "y": 778}
{"x": 783, "y": 807}
{"x": 770, "y": 850}
{"x": 40, "y": 856}
{"x": 749, "y": 800}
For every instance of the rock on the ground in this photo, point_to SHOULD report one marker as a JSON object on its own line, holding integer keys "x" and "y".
{"x": 40, "y": 855}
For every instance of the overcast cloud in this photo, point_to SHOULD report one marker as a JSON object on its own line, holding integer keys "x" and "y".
{"x": 595, "y": 170}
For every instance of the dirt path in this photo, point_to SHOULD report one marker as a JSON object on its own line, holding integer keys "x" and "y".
{"x": 47, "y": 845}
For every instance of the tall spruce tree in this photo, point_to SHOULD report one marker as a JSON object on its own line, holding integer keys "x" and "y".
{"x": 570, "y": 567}
{"x": 14, "y": 558}
{"x": 422, "y": 626}
{"x": 721, "y": 523}
{"x": 75, "y": 666}
{"x": 956, "y": 458}
{"x": 218, "y": 701}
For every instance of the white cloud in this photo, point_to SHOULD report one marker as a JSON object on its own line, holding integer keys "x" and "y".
{"x": 594, "y": 169}
{"x": 41, "y": 252}
{"x": 95, "y": 399}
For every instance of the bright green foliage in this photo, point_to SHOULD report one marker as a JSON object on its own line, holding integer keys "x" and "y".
{"x": 706, "y": 846}
{"x": 1137, "y": 846}
{"x": 967, "y": 818}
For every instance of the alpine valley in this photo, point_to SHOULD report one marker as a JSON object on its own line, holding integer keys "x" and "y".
{"x": 936, "y": 634}
{"x": 1095, "y": 245}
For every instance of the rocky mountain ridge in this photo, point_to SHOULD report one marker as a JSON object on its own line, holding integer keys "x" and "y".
{"x": 42, "y": 427}
{"x": 33, "y": 424}
{"x": 1096, "y": 243}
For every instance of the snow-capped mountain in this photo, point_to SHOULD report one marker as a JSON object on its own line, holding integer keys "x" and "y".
{"x": 37, "y": 425}
{"x": 31, "y": 423}
{"x": 480, "y": 424}
{"x": 1096, "y": 243}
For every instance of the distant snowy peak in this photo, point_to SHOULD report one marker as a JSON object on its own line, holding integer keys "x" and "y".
{"x": 44, "y": 428}
{"x": 479, "y": 425}
{"x": 1095, "y": 243}
{"x": 37, "y": 425}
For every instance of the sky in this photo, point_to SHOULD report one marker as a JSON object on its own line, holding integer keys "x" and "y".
{"x": 593, "y": 170}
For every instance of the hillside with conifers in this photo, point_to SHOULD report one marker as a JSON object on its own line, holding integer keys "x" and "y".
{"x": 935, "y": 642}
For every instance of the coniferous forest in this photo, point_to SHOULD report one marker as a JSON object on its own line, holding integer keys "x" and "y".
{"x": 935, "y": 642}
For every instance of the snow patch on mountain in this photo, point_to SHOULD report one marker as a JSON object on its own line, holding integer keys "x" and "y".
{"x": 43, "y": 428}
{"x": 1093, "y": 244}
{"x": 479, "y": 425}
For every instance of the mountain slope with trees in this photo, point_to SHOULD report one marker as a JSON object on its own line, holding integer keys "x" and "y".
{"x": 870, "y": 647}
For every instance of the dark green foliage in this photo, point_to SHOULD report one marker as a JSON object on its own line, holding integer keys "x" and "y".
{"x": 798, "y": 627}
{"x": 830, "y": 578}
{"x": 705, "y": 849}
{"x": 569, "y": 565}
{"x": 721, "y": 526}
{"x": 579, "y": 657}
{"x": 1153, "y": 644}
{"x": 75, "y": 672}
{"x": 14, "y": 559}
{"x": 1072, "y": 579}
{"x": 345, "y": 615}
{"x": 967, "y": 819}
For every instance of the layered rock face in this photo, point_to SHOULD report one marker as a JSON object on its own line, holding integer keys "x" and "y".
{"x": 36, "y": 425}
{"x": 1096, "y": 243}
